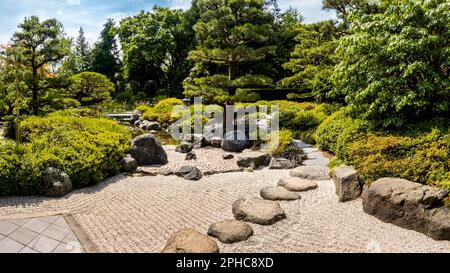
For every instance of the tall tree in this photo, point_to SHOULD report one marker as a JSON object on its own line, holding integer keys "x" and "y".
{"x": 82, "y": 52}
{"x": 105, "y": 53}
{"x": 155, "y": 46}
{"x": 313, "y": 58}
{"x": 395, "y": 67}
{"x": 229, "y": 33}
{"x": 40, "y": 44}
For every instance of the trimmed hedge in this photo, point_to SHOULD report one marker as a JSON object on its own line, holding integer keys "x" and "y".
{"x": 87, "y": 149}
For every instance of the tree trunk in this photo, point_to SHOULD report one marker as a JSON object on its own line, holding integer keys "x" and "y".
{"x": 34, "y": 90}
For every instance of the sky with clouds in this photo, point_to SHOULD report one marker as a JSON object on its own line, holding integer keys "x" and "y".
{"x": 92, "y": 14}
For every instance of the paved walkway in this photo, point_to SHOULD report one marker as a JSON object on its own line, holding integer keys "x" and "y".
{"x": 38, "y": 235}
{"x": 139, "y": 214}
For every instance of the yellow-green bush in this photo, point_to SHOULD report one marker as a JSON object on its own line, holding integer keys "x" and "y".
{"x": 424, "y": 158}
{"x": 337, "y": 131}
{"x": 162, "y": 111}
{"x": 285, "y": 138}
{"x": 87, "y": 149}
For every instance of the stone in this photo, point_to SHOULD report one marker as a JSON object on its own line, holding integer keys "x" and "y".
{"x": 227, "y": 156}
{"x": 281, "y": 164}
{"x": 235, "y": 142}
{"x": 297, "y": 184}
{"x": 258, "y": 211}
{"x": 191, "y": 156}
{"x": 189, "y": 173}
{"x": 135, "y": 116}
{"x": 216, "y": 142}
{"x": 148, "y": 151}
{"x": 347, "y": 183}
{"x": 278, "y": 194}
{"x": 129, "y": 164}
{"x": 144, "y": 124}
{"x": 150, "y": 125}
{"x": 197, "y": 140}
{"x": 190, "y": 241}
{"x": 409, "y": 205}
{"x": 252, "y": 159}
{"x": 56, "y": 183}
{"x": 230, "y": 231}
{"x": 311, "y": 172}
{"x": 184, "y": 148}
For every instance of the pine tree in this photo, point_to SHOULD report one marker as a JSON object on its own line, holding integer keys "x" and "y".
{"x": 82, "y": 52}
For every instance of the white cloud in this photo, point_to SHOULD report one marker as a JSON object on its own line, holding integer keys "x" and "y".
{"x": 73, "y": 2}
{"x": 179, "y": 4}
{"x": 59, "y": 12}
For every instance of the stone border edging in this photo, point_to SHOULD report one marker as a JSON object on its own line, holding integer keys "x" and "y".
{"x": 82, "y": 236}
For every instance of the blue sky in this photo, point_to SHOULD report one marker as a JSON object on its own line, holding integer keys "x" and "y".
{"x": 92, "y": 14}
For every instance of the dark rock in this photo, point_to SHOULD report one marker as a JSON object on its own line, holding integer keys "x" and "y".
{"x": 409, "y": 205}
{"x": 189, "y": 173}
{"x": 281, "y": 164}
{"x": 227, "y": 156}
{"x": 347, "y": 183}
{"x": 148, "y": 151}
{"x": 129, "y": 164}
{"x": 184, "y": 148}
{"x": 252, "y": 159}
{"x": 191, "y": 156}
{"x": 235, "y": 142}
{"x": 56, "y": 183}
{"x": 190, "y": 241}
{"x": 197, "y": 140}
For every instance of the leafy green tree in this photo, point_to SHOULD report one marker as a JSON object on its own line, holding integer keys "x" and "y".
{"x": 40, "y": 44}
{"x": 229, "y": 33}
{"x": 395, "y": 68}
{"x": 344, "y": 7}
{"x": 90, "y": 87}
{"x": 105, "y": 53}
{"x": 313, "y": 58}
{"x": 155, "y": 46}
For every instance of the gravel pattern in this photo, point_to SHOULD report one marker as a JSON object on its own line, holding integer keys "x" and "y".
{"x": 209, "y": 161}
{"x": 139, "y": 214}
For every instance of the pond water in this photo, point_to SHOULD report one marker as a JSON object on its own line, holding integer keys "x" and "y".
{"x": 165, "y": 139}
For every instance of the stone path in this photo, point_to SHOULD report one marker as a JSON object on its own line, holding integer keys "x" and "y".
{"x": 38, "y": 235}
{"x": 139, "y": 214}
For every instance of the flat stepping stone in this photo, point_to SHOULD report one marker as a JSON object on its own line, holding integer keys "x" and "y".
{"x": 297, "y": 184}
{"x": 311, "y": 172}
{"x": 258, "y": 211}
{"x": 190, "y": 241}
{"x": 230, "y": 231}
{"x": 279, "y": 194}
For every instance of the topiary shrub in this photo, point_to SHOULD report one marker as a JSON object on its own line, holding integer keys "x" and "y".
{"x": 162, "y": 111}
{"x": 424, "y": 158}
{"x": 87, "y": 149}
{"x": 337, "y": 131}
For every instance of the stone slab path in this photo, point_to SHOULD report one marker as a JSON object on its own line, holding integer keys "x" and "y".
{"x": 38, "y": 235}
{"x": 139, "y": 214}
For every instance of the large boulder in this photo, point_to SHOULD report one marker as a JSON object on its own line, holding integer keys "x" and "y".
{"x": 56, "y": 183}
{"x": 252, "y": 159}
{"x": 129, "y": 164}
{"x": 258, "y": 211}
{"x": 197, "y": 140}
{"x": 297, "y": 184}
{"x": 409, "y": 205}
{"x": 235, "y": 142}
{"x": 280, "y": 163}
{"x": 230, "y": 231}
{"x": 190, "y": 241}
{"x": 184, "y": 148}
{"x": 189, "y": 173}
{"x": 148, "y": 151}
{"x": 311, "y": 172}
{"x": 347, "y": 183}
{"x": 278, "y": 194}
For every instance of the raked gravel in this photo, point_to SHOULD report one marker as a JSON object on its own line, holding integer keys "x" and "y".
{"x": 138, "y": 214}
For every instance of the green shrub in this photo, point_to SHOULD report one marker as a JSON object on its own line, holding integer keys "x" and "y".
{"x": 285, "y": 138}
{"x": 87, "y": 149}
{"x": 424, "y": 158}
{"x": 337, "y": 131}
{"x": 162, "y": 111}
